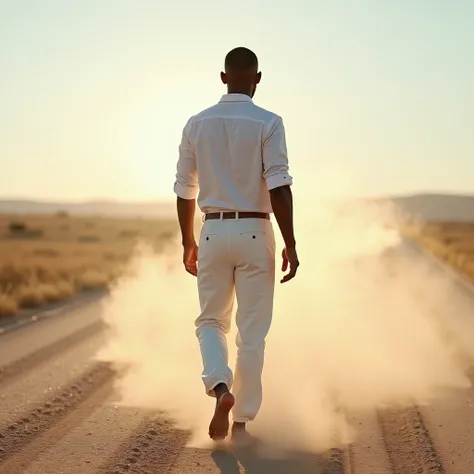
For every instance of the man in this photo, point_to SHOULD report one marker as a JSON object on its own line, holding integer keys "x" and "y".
{"x": 234, "y": 153}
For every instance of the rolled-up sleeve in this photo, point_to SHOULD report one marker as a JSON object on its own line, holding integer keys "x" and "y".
{"x": 275, "y": 157}
{"x": 186, "y": 184}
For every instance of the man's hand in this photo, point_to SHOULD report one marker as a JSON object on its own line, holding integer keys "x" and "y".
{"x": 290, "y": 258}
{"x": 186, "y": 208}
{"x": 190, "y": 255}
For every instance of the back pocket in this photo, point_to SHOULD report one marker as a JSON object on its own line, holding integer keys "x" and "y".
{"x": 258, "y": 240}
{"x": 207, "y": 241}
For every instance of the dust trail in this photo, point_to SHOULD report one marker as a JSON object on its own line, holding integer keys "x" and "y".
{"x": 346, "y": 325}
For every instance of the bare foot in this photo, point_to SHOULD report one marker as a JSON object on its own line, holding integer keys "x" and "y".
{"x": 241, "y": 438}
{"x": 219, "y": 427}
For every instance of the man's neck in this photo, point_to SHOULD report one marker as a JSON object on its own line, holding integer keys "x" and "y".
{"x": 239, "y": 91}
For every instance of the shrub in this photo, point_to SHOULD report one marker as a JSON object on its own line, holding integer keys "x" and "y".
{"x": 49, "y": 253}
{"x": 17, "y": 226}
{"x": 129, "y": 234}
{"x": 89, "y": 238}
{"x": 8, "y": 306}
{"x": 92, "y": 280}
{"x": 30, "y": 296}
{"x": 21, "y": 231}
{"x": 56, "y": 292}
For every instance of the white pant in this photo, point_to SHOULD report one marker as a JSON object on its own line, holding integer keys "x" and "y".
{"x": 236, "y": 257}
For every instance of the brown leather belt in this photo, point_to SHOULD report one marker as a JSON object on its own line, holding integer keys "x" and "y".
{"x": 236, "y": 215}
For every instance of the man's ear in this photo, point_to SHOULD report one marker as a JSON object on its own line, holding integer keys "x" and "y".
{"x": 258, "y": 77}
{"x": 224, "y": 77}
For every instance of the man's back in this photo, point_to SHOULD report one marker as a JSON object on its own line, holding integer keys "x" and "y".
{"x": 240, "y": 154}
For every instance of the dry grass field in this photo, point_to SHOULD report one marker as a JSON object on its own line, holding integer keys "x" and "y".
{"x": 452, "y": 242}
{"x": 45, "y": 259}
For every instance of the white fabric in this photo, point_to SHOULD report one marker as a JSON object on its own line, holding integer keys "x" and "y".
{"x": 236, "y": 257}
{"x": 239, "y": 152}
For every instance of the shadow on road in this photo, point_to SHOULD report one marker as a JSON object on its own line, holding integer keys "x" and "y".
{"x": 253, "y": 462}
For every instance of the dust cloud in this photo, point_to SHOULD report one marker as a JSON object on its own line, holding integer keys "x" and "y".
{"x": 355, "y": 329}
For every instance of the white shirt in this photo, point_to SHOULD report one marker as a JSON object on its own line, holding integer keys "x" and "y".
{"x": 231, "y": 155}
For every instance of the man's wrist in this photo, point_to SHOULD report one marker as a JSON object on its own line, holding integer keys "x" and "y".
{"x": 188, "y": 242}
{"x": 290, "y": 244}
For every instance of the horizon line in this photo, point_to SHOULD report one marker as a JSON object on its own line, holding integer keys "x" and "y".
{"x": 110, "y": 200}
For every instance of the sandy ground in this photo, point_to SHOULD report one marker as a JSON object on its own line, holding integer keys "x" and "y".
{"x": 58, "y": 414}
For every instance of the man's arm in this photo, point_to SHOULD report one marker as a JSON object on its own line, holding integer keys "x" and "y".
{"x": 275, "y": 172}
{"x": 282, "y": 205}
{"x": 186, "y": 189}
{"x": 186, "y": 209}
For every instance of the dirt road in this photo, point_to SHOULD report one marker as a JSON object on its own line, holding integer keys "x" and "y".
{"x": 57, "y": 415}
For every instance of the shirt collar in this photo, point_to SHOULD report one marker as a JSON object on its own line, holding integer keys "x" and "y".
{"x": 236, "y": 98}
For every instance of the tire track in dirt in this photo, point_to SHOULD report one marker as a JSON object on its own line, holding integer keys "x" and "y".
{"x": 337, "y": 459}
{"x": 18, "y": 368}
{"x": 90, "y": 441}
{"x": 152, "y": 448}
{"x": 156, "y": 446}
{"x": 19, "y": 462}
{"x": 45, "y": 420}
{"x": 337, "y": 462}
{"x": 408, "y": 443}
{"x": 367, "y": 452}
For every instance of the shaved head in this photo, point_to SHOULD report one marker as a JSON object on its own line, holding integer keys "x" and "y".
{"x": 241, "y": 59}
{"x": 241, "y": 71}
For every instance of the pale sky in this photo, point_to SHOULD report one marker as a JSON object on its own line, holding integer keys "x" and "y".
{"x": 94, "y": 93}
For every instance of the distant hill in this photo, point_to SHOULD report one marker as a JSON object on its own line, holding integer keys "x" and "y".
{"x": 432, "y": 207}
{"x": 437, "y": 207}
{"x": 159, "y": 210}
